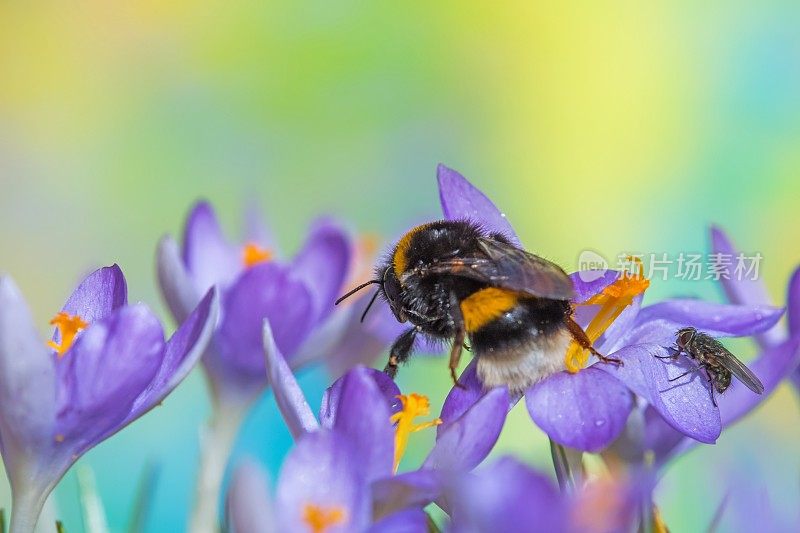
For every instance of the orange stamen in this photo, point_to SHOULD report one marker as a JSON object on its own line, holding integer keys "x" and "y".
{"x": 253, "y": 254}
{"x": 612, "y": 301}
{"x": 319, "y": 518}
{"x": 414, "y": 405}
{"x": 68, "y": 326}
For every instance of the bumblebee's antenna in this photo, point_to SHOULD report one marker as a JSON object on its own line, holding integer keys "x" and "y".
{"x": 352, "y": 292}
{"x": 369, "y": 305}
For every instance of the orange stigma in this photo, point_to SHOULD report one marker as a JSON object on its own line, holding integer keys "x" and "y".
{"x": 319, "y": 518}
{"x": 414, "y": 405}
{"x": 612, "y": 301}
{"x": 253, "y": 254}
{"x": 68, "y": 326}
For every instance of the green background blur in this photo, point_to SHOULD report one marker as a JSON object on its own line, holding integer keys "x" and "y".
{"x": 609, "y": 126}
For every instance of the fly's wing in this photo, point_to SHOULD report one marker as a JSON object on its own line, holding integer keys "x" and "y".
{"x": 506, "y": 266}
{"x": 738, "y": 369}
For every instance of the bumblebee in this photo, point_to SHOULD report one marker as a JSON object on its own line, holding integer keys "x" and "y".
{"x": 720, "y": 364}
{"x": 454, "y": 281}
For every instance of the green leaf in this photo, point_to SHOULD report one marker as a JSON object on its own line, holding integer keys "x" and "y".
{"x": 143, "y": 503}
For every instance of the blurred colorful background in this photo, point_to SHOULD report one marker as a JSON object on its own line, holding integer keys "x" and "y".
{"x": 614, "y": 127}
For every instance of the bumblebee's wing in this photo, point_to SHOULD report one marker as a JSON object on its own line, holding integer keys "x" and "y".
{"x": 506, "y": 266}
{"x": 738, "y": 369}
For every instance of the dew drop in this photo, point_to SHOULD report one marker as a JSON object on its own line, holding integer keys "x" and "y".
{"x": 599, "y": 423}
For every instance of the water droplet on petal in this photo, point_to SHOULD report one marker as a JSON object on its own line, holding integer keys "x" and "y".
{"x": 599, "y": 423}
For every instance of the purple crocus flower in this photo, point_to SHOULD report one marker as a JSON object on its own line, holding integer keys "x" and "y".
{"x": 778, "y": 360}
{"x": 587, "y": 408}
{"x": 295, "y": 296}
{"x": 106, "y": 365}
{"x": 320, "y": 489}
{"x": 363, "y": 406}
{"x": 511, "y": 497}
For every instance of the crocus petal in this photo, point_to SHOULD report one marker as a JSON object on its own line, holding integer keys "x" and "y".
{"x": 742, "y": 290}
{"x": 292, "y": 404}
{"x": 174, "y": 280}
{"x": 467, "y": 440}
{"x": 363, "y": 418}
{"x": 793, "y": 303}
{"x": 460, "y": 399}
{"x": 771, "y": 367}
{"x": 658, "y": 323}
{"x": 739, "y": 291}
{"x": 182, "y": 352}
{"x": 248, "y": 503}
{"x": 613, "y": 337}
{"x": 256, "y": 229}
{"x": 417, "y": 488}
{"x": 586, "y": 411}
{"x": 100, "y": 377}
{"x": 265, "y": 291}
{"x": 462, "y": 200}
{"x": 27, "y": 379}
{"x": 208, "y": 257}
{"x": 662, "y": 439}
{"x": 589, "y": 283}
{"x": 100, "y": 293}
{"x": 506, "y": 496}
{"x": 323, "y": 340}
{"x": 332, "y": 398}
{"x": 408, "y": 521}
{"x": 323, "y": 265}
{"x": 685, "y": 404}
{"x": 322, "y": 470}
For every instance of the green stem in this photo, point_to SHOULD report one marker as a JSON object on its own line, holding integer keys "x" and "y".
{"x": 216, "y": 443}
{"x": 568, "y": 464}
{"x": 566, "y": 481}
{"x": 26, "y": 506}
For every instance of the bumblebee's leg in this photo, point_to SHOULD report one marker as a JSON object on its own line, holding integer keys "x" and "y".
{"x": 455, "y": 356}
{"x": 458, "y": 341}
{"x": 580, "y": 337}
{"x": 400, "y": 351}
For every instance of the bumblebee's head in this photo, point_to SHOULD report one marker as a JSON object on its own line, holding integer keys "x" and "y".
{"x": 685, "y": 336}
{"x": 390, "y": 287}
